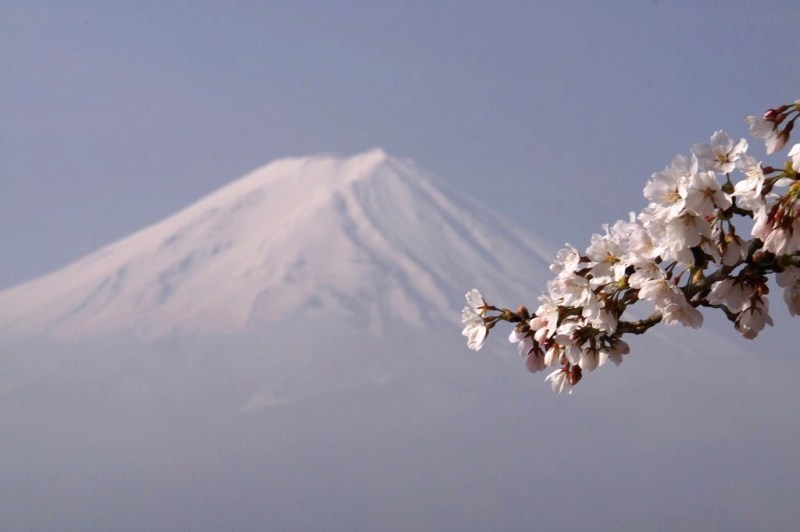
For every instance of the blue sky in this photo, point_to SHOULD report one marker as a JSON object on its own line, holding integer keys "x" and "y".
{"x": 116, "y": 114}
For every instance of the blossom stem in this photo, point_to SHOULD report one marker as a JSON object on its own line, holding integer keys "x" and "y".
{"x": 640, "y": 326}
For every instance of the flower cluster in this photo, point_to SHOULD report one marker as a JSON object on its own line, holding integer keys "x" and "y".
{"x": 680, "y": 253}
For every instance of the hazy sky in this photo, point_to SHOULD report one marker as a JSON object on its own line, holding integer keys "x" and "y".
{"x": 116, "y": 114}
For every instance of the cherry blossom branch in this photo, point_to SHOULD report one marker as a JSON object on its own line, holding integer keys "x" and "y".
{"x": 641, "y": 326}
{"x": 679, "y": 253}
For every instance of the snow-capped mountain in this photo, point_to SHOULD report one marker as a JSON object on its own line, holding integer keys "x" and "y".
{"x": 368, "y": 239}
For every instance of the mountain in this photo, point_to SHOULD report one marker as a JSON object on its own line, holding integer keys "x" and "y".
{"x": 371, "y": 240}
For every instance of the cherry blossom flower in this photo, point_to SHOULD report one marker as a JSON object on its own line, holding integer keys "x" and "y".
{"x": 605, "y": 253}
{"x": 475, "y": 329}
{"x": 546, "y": 320}
{"x": 559, "y": 381}
{"x": 783, "y": 239}
{"x": 789, "y": 280}
{"x": 473, "y": 318}
{"x": 794, "y": 155}
{"x": 524, "y": 341}
{"x": 646, "y": 271}
{"x": 684, "y": 233}
{"x": 667, "y": 190}
{"x": 564, "y": 337}
{"x": 704, "y": 194}
{"x": 659, "y": 292}
{"x": 749, "y": 191}
{"x": 570, "y": 289}
{"x": 589, "y": 360}
{"x": 566, "y": 261}
{"x": 680, "y": 311}
{"x": 535, "y": 361}
{"x": 638, "y": 244}
{"x": 762, "y": 228}
{"x": 735, "y": 250}
{"x": 754, "y": 318}
{"x": 603, "y": 320}
{"x": 475, "y": 301}
{"x": 721, "y": 154}
{"x": 760, "y": 127}
{"x": 765, "y": 129}
{"x": 732, "y": 293}
{"x": 552, "y": 356}
{"x": 613, "y": 352}
{"x": 775, "y": 142}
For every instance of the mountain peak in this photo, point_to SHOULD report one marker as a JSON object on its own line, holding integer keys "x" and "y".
{"x": 322, "y": 173}
{"x": 376, "y": 155}
{"x": 360, "y": 166}
{"x": 368, "y": 239}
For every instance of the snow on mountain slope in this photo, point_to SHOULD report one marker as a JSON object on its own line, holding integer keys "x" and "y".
{"x": 370, "y": 239}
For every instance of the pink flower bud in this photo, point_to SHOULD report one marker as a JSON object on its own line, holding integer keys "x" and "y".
{"x": 773, "y": 115}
